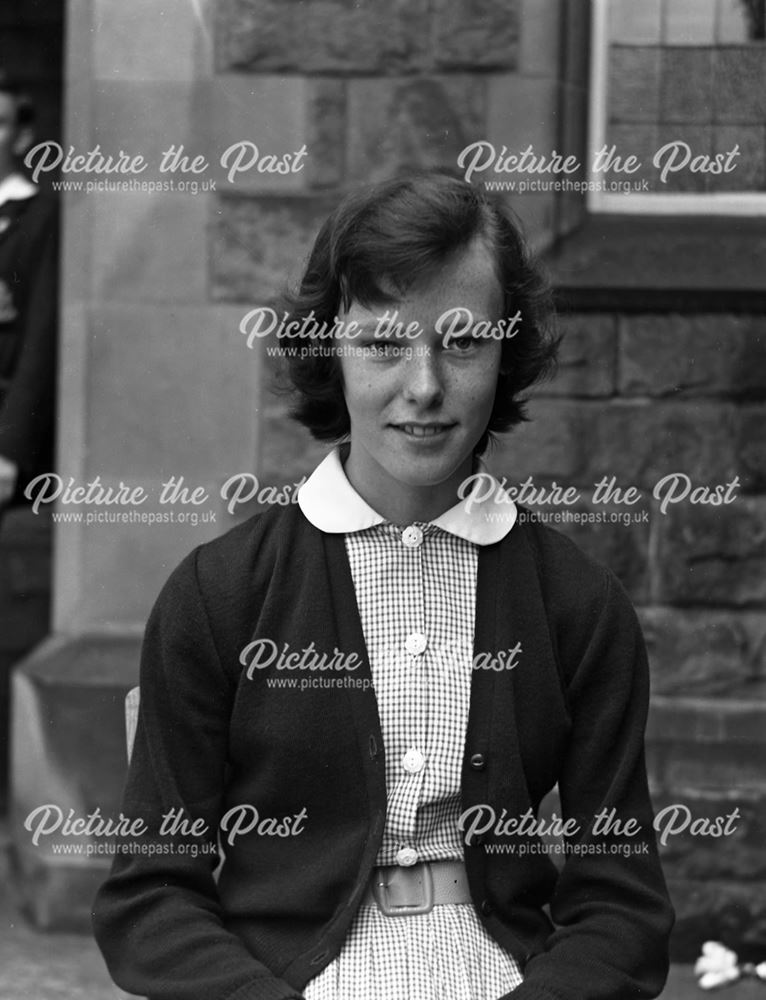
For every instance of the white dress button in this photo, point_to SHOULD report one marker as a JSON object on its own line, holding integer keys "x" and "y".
{"x": 406, "y": 856}
{"x": 412, "y": 536}
{"x": 415, "y": 643}
{"x": 413, "y": 761}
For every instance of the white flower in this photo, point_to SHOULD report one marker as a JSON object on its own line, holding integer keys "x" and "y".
{"x": 717, "y": 966}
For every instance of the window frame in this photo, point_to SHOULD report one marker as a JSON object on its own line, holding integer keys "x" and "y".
{"x": 740, "y": 203}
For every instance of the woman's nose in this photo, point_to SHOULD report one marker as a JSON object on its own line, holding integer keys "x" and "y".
{"x": 423, "y": 381}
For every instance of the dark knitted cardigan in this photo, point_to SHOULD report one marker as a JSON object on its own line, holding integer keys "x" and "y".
{"x": 210, "y": 738}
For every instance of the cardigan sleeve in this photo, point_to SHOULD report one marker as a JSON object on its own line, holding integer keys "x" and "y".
{"x": 157, "y": 918}
{"x": 611, "y": 912}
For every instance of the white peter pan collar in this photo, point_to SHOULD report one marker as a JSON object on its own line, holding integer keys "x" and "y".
{"x": 331, "y": 504}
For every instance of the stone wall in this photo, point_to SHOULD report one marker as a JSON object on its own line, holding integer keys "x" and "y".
{"x": 641, "y": 397}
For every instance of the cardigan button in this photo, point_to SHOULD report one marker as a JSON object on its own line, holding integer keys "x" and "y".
{"x": 478, "y": 762}
{"x": 486, "y": 907}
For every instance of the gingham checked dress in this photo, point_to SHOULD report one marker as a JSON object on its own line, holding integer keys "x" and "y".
{"x": 416, "y": 593}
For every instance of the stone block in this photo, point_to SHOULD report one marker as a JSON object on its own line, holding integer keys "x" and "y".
{"x": 689, "y": 22}
{"x": 414, "y": 122}
{"x": 635, "y": 24}
{"x": 475, "y": 34}
{"x": 636, "y": 443}
{"x": 734, "y": 722}
{"x": 699, "y": 139}
{"x": 697, "y": 772}
{"x": 550, "y": 446}
{"x": 125, "y": 565}
{"x": 523, "y": 112}
{"x": 750, "y": 166}
{"x": 694, "y": 652}
{"x": 149, "y": 247}
{"x": 739, "y": 85}
{"x": 713, "y": 555}
{"x": 732, "y": 26}
{"x": 146, "y": 118}
{"x": 692, "y": 355}
{"x": 579, "y": 443}
{"x": 269, "y": 111}
{"x": 196, "y": 432}
{"x": 288, "y": 452}
{"x": 610, "y": 536}
{"x": 68, "y": 751}
{"x": 78, "y": 49}
{"x": 332, "y": 36}
{"x": 537, "y": 215}
{"x": 327, "y": 133}
{"x": 751, "y": 447}
{"x": 260, "y": 245}
{"x": 641, "y": 443}
{"x": 633, "y": 88}
{"x": 141, "y": 41}
{"x": 540, "y": 39}
{"x": 587, "y": 357}
{"x": 736, "y": 854}
{"x": 687, "y": 85}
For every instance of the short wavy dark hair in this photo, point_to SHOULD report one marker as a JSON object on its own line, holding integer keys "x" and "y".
{"x": 403, "y": 230}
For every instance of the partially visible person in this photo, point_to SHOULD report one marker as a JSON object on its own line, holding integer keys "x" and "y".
{"x": 28, "y": 306}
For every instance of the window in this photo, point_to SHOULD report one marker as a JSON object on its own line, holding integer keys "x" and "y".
{"x": 678, "y": 107}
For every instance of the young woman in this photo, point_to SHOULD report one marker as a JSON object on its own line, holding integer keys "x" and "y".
{"x": 366, "y": 696}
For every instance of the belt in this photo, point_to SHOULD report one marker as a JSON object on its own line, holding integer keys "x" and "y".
{"x": 400, "y": 891}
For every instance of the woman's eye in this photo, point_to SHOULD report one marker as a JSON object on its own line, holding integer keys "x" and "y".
{"x": 461, "y": 344}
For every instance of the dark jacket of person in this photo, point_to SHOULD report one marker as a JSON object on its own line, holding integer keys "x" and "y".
{"x": 28, "y": 327}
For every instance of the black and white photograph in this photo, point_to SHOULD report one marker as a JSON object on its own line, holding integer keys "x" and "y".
{"x": 382, "y": 499}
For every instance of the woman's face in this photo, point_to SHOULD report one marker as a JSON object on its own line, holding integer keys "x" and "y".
{"x": 419, "y": 405}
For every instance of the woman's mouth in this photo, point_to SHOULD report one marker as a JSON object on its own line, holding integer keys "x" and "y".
{"x": 423, "y": 430}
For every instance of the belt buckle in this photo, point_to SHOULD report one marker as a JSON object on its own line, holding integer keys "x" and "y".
{"x": 408, "y": 891}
